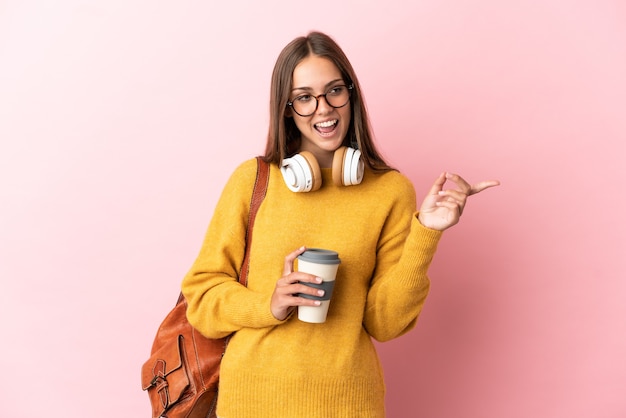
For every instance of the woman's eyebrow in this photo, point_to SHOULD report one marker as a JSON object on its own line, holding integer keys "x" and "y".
{"x": 330, "y": 83}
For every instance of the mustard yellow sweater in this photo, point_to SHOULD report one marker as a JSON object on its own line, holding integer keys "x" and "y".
{"x": 291, "y": 369}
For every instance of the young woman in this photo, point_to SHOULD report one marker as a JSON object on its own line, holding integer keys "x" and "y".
{"x": 277, "y": 365}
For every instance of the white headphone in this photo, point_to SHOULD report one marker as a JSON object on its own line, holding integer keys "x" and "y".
{"x": 302, "y": 172}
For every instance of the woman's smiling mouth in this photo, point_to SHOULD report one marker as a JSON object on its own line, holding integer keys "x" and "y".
{"x": 326, "y": 127}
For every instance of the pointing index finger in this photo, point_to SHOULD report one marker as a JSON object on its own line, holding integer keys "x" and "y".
{"x": 479, "y": 187}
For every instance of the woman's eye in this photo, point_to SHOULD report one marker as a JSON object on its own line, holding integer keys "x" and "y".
{"x": 335, "y": 91}
{"x": 303, "y": 98}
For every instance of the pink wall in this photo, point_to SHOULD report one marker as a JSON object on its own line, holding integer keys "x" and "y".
{"x": 121, "y": 120}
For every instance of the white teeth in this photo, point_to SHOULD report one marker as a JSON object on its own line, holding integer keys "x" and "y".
{"x": 326, "y": 124}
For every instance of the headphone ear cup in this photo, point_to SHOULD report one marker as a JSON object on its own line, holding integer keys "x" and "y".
{"x": 301, "y": 172}
{"x": 354, "y": 167}
{"x": 338, "y": 160}
{"x": 314, "y": 167}
{"x": 347, "y": 167}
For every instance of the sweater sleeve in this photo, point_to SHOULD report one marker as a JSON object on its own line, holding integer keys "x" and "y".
{"x": 400, "y": 283}
{"x": 217, "y": 304}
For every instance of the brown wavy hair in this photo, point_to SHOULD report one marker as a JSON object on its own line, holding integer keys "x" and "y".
{"x": 283, "y": 139}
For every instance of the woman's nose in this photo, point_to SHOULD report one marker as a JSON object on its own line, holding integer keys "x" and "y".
{"x": 322, "y": 105}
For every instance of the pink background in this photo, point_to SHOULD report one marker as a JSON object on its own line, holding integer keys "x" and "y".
{"x": 120, "y": 121}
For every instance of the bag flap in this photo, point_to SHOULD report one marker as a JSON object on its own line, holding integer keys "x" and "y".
{"x": 164, "y": 362}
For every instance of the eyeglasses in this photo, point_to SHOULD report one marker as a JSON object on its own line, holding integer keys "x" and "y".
{"x": 306, "y": 104}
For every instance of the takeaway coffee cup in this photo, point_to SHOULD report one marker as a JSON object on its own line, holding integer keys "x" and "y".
{"x": 321, "y": 263}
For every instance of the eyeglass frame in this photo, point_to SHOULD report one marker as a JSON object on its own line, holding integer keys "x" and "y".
{"x": 350, "y": 87}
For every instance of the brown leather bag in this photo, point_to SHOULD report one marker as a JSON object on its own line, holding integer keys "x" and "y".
{"x": 182, "y": 373}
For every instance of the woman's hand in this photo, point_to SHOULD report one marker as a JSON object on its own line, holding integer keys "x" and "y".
{"x": 284, "y": 299}
{"x": 442, "y": 209}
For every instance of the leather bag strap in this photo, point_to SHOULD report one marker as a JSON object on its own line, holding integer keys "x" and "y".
{"x": 258, "y": 194}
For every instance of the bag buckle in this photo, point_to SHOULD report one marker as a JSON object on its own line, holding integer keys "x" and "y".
{"x": 159, "y": 381}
